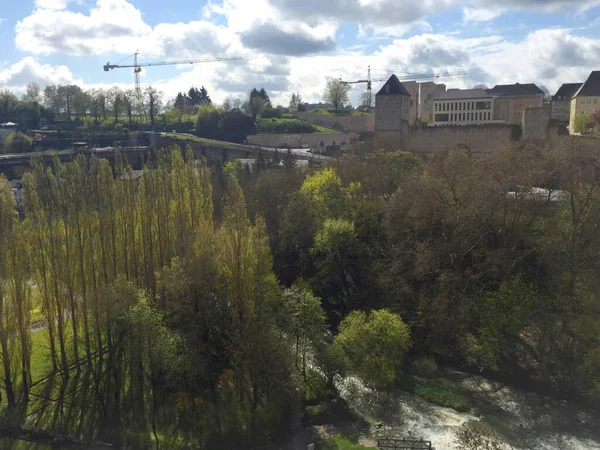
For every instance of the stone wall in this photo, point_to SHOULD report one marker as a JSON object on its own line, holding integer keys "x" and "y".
{"x": 315, "y": 141}
{"x": 476, "y": 138}
{"x": 536, "y": 123}
{"x": 356, "y": 124}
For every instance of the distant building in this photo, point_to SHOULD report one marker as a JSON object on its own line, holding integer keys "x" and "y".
{"x": 428, "y": 92}
{"x": 587, "y": 98}
{"x": 561, "y": 101}
{"x": 463, "y": 107}
{"x": 512, "y": 99}
{"x": 6, "y": 129}
{"x": 393, "y": 106}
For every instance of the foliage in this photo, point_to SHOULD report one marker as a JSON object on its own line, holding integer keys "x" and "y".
{"x": 374, "y": 344}
{"x": 295, "y": 103}
{"x": 582, "y": 123}
{"x": 303, "y": 318}
{"x": 331, "y": 361}
{"x": 438, "y": 391}
{"x": 336, "y": 92}
{"x": 343, "y": 443}
{"x": 17, "y": 142}
{"x": 474, "y": 435}
{"x": 425, "y": 366}
{"x": 233, "y": 125}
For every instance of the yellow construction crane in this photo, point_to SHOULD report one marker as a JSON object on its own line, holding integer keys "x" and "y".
{"x": 137, "y": 68}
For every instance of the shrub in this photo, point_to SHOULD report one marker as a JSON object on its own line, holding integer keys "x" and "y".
{"x": 440, "y": 392}
{"x": 17, "y": 142}
{"x": 425, "y": 366}
{"x": 474, "y": 435}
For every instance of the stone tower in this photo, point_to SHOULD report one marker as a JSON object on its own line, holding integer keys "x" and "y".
{"x": 392, "y": 108}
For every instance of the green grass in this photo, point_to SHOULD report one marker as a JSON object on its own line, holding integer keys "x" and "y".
{"x": 283, "y": 126}
{"x": 202, "y": 140}
{"x": 438, "y": 391}
{"x": 343, "y": 443}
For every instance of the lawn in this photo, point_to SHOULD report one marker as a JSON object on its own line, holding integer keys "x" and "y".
{"x": 343, "y": 443}
{"x": 283, "y": 126}
{"x": 202, "y": 140}
{"x": 438, "y": 391}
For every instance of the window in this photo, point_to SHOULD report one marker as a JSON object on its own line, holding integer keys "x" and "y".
{"x": 595, "y": 100}
{"x": 333, "y": 143}
{"x": 442, "y": 118}
{"x": 483, "y": 105}
{"x": 323, "y": 143}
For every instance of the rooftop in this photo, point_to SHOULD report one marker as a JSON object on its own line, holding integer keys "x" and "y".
{"x": 393, "y": 87}
{"x": 515, "y": 90}
{"x": 462, "y": 94}
{"x": 566, "y": 91}
{"x": 591, "y": 88}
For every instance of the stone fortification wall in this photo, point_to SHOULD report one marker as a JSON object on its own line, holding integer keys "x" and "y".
{"x": 476, "y": 138}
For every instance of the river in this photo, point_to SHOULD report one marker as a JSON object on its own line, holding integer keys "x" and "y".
{"x": 522, "y": 420}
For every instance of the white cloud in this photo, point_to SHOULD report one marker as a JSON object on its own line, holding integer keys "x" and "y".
{"x": 484, "y": 10}
{"x": 52, "y": 4}
{"x": 17, "y": 75}
{"x": 113, "y": 25}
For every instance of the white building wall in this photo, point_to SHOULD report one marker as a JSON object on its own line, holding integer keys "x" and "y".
{"x": 464, "y": 112}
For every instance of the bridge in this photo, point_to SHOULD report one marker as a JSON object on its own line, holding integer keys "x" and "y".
{"x": 137, "y": 152}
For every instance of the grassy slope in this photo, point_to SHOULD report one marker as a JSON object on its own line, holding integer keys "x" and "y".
{"x": 340, "y": 113}
{"x": 294, "y": 126}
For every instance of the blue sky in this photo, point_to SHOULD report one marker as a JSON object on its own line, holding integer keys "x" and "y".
{"x": 296, "y": 45}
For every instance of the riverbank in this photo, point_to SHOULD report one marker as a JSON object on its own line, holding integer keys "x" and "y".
{"x": 522, "y": 420}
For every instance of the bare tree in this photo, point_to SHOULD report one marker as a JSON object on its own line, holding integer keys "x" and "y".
{"x": 154, "y": 99}
{"x": 336, "y": 92}
{"x": 481, "y": 86}
{"x": 33, "y": 93}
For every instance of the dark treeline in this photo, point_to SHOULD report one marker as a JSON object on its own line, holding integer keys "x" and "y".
{"x": 163, "y": 289}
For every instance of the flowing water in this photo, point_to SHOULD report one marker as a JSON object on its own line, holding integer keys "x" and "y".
{"x": 523, "y": 420}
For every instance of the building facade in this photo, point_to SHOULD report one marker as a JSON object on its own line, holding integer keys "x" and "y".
{"x": 393, "y": 110}
{"x": 428, "y": 92}
{"x": 510, "y": 100}
{"x": 587, "y": 99}
{"x": 463, "y": 107}
{"x": 561, "y": 102}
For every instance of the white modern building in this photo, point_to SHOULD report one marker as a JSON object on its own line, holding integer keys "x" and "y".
{"x": 463, "y": 107}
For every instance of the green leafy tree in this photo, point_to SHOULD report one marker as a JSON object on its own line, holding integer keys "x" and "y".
{"x": 17, "y": 142}
{"x": 582, "y": 123}
{"x": 336, "y": 92}
{"x": 304, "y": 319}
{"x": 374, "y": 344}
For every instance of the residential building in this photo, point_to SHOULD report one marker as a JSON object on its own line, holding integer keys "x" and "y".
{"x": 587, "y": 98}
{"x": 512, "y": 99}
{"x": 463, "y": 107}
{"x": 393, "y": 107}
{"x": 561, "y": 102}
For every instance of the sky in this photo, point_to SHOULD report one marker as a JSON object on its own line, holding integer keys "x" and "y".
{"x": 292, "y": 46}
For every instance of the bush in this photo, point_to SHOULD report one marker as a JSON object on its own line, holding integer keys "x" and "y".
{"x": 17, "y": 142}
{"x": 440, "y": 392}
{"x": 425, "y": 366}
{"x": 283, "y": 126}
{"x": 474, "y": 435}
